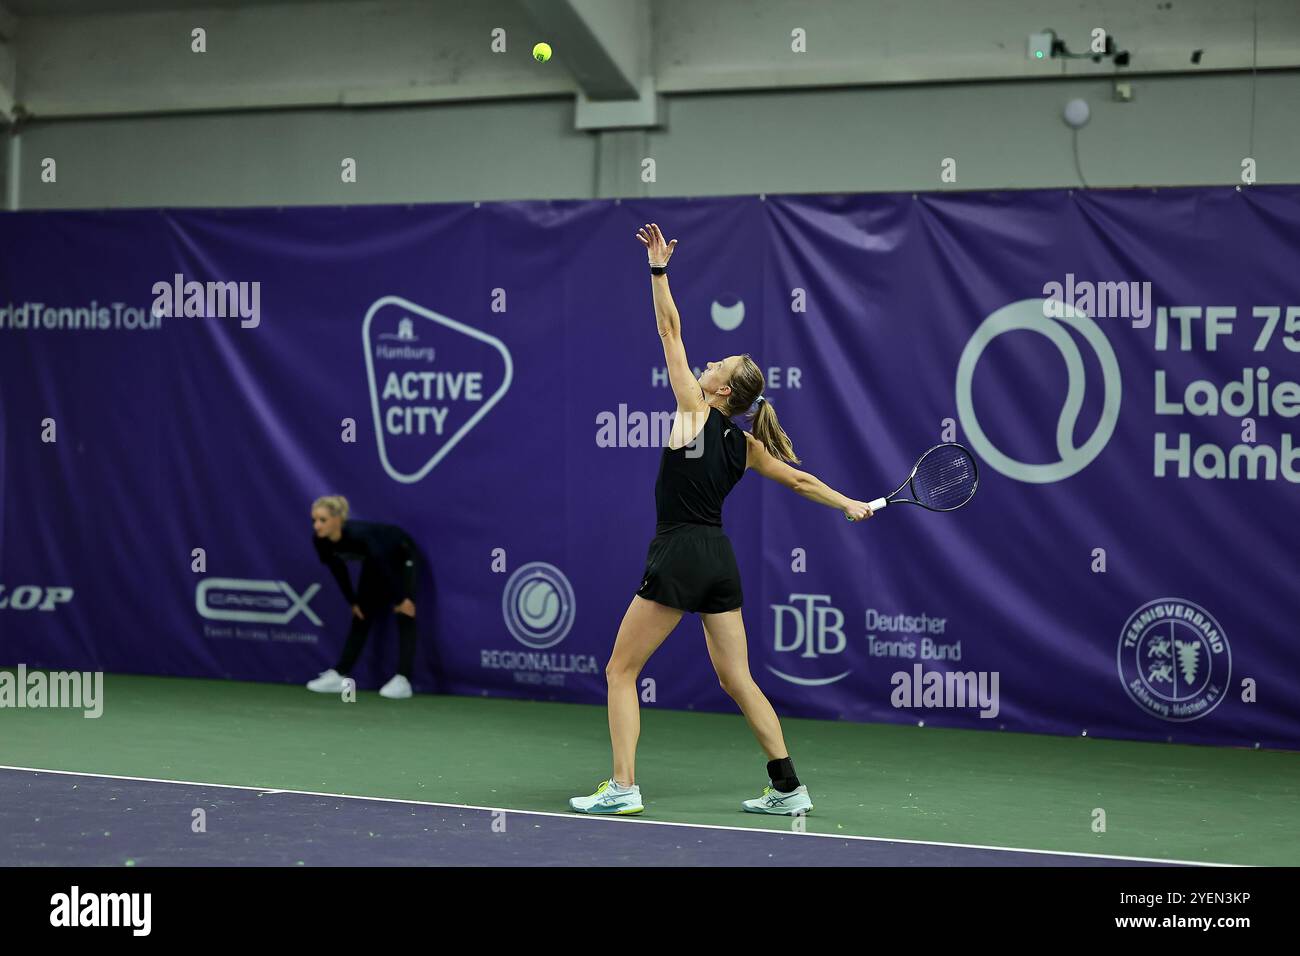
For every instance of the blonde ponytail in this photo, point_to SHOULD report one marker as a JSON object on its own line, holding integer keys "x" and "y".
{"x": 746, "y": 389}
{"x": 767, "y": 429}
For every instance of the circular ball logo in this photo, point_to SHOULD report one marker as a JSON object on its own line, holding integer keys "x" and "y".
{"x": 1174, "y": 659}
{"x": 1044, "y": 316}
{"x": 538, "y": 605}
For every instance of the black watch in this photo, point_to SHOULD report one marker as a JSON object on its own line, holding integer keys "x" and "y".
{"x": 659, "y": 270}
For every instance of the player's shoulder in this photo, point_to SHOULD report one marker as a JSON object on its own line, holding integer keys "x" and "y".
{"x": 754, "y": 449}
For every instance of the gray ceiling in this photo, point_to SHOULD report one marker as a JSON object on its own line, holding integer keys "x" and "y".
{"x": 26, "y": 8}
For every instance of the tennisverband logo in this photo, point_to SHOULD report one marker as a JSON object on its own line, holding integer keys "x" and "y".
{"x": 1174, "y": 659}
{"x": 432, "y": 379}
{"x": 538, "y": 605}
{"x": 1029, "y": 315}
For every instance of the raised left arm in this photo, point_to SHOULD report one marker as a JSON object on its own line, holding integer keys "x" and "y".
{"x": 685, "y": 387}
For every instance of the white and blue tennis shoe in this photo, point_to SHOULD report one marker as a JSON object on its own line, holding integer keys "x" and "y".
{"x": 794, "y": 803}
{"x": 609, "y": 798}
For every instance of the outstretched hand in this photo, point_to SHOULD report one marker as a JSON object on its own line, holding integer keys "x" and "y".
{"x": 658, "y": 249}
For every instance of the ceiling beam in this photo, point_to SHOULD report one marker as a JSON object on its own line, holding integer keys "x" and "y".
{"x": 604, "y": 44}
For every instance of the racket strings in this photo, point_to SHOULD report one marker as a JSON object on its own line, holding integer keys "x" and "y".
{"x": 945, "y": 478}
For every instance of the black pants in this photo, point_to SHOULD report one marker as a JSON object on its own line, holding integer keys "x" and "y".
{"x": 371, "y": 599}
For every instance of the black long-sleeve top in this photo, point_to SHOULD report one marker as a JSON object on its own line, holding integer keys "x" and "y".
{"x": 382, "y": 549}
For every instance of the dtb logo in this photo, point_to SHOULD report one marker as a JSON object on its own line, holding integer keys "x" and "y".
{"x": 809, "y": 627}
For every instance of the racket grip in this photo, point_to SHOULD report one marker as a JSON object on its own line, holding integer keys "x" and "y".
{"x": 877, "y": 504}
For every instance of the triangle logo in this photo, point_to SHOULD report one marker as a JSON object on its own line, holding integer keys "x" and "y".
{"x": 431, "y": 379}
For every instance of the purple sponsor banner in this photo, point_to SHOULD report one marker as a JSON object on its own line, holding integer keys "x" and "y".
{"x": 1124, "y": 365}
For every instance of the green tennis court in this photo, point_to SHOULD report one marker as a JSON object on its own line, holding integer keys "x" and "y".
{"x": 937, "y": 786}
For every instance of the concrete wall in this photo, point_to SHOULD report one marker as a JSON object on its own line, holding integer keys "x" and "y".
{"x": 414, "y": 93}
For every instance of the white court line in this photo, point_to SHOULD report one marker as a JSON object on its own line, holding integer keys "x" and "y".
{"x": 626, "y": 819}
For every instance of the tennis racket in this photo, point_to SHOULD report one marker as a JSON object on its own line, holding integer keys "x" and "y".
{"x": 943, "y": 479}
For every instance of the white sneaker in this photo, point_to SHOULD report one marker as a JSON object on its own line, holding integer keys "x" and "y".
{"x": 399, "y": 688}
{"x": 791, "y": 804}
{"x": 329, "y": 682}
{"x": 609, "y": 798}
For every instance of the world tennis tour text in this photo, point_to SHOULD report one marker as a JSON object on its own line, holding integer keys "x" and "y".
{"x": 92, "y": 316}
{"x": 1259, "y": 391}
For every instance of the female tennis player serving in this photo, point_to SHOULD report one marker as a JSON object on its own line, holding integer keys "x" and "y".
{"x": 690, "y": 565}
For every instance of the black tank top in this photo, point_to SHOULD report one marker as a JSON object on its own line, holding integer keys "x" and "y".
{"x": 693, "y": 480}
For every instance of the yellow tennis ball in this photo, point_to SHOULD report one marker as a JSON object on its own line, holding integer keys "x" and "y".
{"x": 542, "y": 52}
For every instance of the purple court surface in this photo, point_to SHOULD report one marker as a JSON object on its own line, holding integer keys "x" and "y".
{"x": 60, "y": 819}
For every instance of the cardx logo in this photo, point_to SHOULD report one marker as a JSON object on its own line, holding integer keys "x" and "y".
{"x": 253, "y": 602}
{"x": 432, "y": 379}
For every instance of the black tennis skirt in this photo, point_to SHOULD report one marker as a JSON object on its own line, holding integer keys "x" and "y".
{"x": 692, "y": 568}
